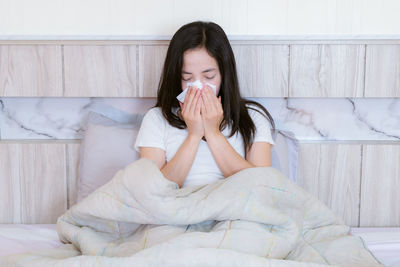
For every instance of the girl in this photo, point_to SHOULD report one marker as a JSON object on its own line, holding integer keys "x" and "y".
{"x": 208, "y": 136}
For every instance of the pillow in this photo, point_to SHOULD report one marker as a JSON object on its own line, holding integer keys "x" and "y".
{"x": 108, "y": 146}
{"x": 105, "y": 149}
{"x": 284, "y": 154}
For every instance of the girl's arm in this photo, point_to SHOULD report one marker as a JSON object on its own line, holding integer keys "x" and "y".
{"x": 230, "y": 162}
{"x": 179, "y": 166}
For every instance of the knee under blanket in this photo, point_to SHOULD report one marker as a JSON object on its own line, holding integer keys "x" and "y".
{"x": 256, "y": 217}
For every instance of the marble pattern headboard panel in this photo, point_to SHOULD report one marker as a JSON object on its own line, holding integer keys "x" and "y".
{"x": 340, "y": 97}
{"x": 310, "y": 119}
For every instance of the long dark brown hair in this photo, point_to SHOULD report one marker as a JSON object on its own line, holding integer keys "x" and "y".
{"x": 208, "y": 35}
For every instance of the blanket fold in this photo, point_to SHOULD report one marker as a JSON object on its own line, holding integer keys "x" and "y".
{"x": 256, "y": 217}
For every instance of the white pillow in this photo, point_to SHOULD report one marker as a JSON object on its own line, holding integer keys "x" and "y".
{"x": 108, "y": 146}
{"x": 284, "y": 154}
{"x": 105, "y": 149}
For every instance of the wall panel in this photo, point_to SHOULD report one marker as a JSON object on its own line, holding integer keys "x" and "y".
{"x": 326, "y": 70}
{"x": 33, "y": 179}
{"x": 380, "y": 198}
{"x": 359, "y": 182}
{"x": 30, "y": 70}
{"x": 382, "y": 74}
{"x": 262, "y": 70}
{"x": 100, "y": 70}
{"x": 331, "y": 172}
{"x": 151, "y": 63}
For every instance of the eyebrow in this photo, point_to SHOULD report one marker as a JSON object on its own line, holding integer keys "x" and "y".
{"x": 207, "y": 70}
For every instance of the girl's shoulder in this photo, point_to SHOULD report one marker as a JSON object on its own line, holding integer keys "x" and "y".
{"x": 154, "y": 115}
{"x": 251, "y": 108}
{"x": 157, "y": 111}
{"x": 257, "y": 114}
{"x": 154, "y": 111}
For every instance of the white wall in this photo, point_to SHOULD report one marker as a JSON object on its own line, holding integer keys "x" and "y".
{"x": 164, "y": 17}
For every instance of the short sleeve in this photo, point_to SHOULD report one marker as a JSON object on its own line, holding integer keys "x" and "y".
{"x": 152, "y": 130}
{"x": 263, "y": 126}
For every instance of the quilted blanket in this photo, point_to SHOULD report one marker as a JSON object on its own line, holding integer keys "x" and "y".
{"x": 256, "y": 217}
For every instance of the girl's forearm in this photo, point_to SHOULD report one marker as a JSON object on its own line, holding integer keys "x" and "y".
{"x": 179, "y": 166}
{"x": 228, "y": 160}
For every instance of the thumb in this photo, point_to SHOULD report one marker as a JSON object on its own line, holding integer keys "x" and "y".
{"x": 219, "y": 98}
{"x": 180, "y": 104}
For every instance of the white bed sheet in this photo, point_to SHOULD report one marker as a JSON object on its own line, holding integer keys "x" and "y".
{"x": 384, "y": 242}
{"x": 18, "y": 238}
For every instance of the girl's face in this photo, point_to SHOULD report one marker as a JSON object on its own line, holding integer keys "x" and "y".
{"x": 199, "y": 65}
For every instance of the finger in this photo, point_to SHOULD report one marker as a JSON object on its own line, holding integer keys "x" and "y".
{"x": 219, "y": 105}
{"x": 203, "y": 108}
{"x": 186, "y": 96}
{"x": 205, "y": 103}
{"x": 190, "y": 95}
{"x": 194, "y": 102}
{"x": 198, "y": 105}
{"x": 209, "y": 101}
{"x": 210, "y": 90}
{"x": 201, "y": 105}
{"x": 206, "y": 86}
{"x": 214, "y": 99}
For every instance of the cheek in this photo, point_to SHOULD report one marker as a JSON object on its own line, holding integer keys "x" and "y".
{"x": 218, "y": 83}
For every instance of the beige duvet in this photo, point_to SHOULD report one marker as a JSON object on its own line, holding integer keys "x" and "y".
{"x": 256, "y": 217}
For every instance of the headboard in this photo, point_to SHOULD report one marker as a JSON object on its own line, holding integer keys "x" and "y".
{"x": 340, "y": 97}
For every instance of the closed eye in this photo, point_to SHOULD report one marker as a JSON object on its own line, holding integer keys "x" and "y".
{"x": 209, "y": 78}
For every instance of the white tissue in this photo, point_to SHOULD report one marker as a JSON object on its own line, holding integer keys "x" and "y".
{"x": 198, "y": 84}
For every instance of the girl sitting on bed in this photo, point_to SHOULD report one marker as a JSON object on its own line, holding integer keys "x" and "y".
{"x": 209, "y": 136}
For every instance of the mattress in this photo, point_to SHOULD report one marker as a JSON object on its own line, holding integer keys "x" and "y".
{"x": 17, "y": 238}
{"x": 383, "y": 242}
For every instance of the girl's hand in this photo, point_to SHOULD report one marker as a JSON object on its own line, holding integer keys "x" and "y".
{"x": 190, "y": 111}
{"x": 211, "y": 111}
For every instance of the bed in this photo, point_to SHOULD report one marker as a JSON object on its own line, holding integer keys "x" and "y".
{"x": 384, "y": 242}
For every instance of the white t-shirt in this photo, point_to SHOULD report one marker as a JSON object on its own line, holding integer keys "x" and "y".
{"x": 155, "y": 131}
